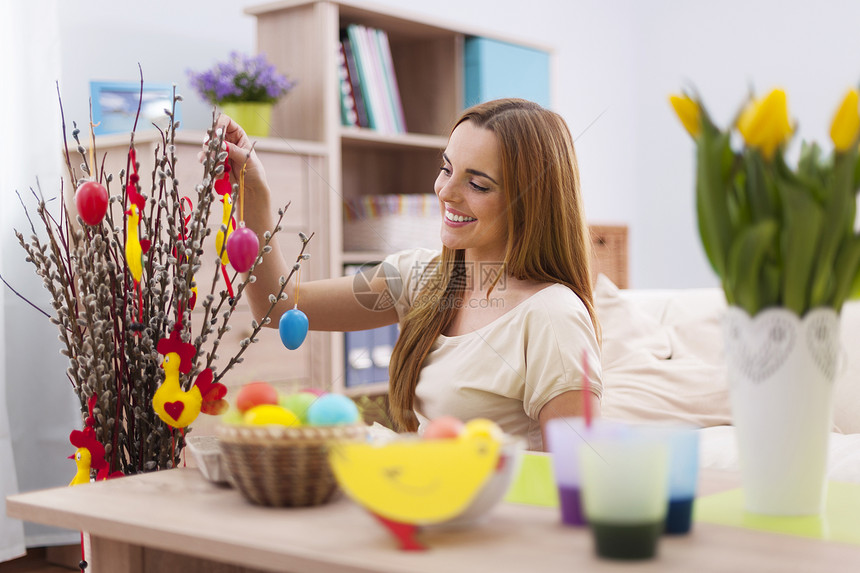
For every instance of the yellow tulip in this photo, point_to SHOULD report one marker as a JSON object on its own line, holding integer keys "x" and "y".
{"x": 846, "y": 122}
{"x": 764, "y": 123}
{"x": 688, "y": 112}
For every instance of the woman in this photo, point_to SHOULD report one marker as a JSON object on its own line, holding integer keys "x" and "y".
{"x": 498, "y": 323}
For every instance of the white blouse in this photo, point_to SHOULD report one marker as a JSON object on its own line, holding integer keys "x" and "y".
{"x": 508, "y": 369}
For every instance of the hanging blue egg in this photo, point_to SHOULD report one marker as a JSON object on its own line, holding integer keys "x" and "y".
{"x": 293, "y": 327}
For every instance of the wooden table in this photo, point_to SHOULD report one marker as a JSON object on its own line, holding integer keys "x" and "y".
{"x": 174, "y": 520}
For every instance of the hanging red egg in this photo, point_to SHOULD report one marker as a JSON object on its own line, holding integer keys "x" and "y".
{"x": 243, "y": 246}
{"x": 91, "y": 199}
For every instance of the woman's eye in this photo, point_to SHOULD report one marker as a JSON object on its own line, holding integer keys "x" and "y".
{"x": 477, "y": 187}
{"x": 445, "y": 170}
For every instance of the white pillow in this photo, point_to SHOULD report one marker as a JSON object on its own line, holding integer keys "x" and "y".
{"x": 628, "y": 334}
{"x": 656, "y": 372}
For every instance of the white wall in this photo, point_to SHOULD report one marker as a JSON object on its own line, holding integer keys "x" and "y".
{"x": 722, "y": 48}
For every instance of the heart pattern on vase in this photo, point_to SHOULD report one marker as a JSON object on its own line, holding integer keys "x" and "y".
{"x": 757, "y": 346}
{"x": 821, "y": 329}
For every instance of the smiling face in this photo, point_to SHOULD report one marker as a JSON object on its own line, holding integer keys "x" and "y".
{"x": 469, "y": 187}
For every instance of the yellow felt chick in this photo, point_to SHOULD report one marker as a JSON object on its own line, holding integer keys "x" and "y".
{"x": 419, "y": 482}
{"x": 133, "y": 248}
{"x": 83, "y": 459}
{"x": 175, "y": 406}
{"x": 221, "y": 237}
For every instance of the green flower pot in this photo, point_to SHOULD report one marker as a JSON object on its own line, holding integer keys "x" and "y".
{"x": 254, "y": 117}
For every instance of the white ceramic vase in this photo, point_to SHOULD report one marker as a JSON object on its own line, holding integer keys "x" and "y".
{"x": 781, "y": 371}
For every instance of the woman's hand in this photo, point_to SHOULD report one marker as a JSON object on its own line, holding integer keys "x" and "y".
{"x": 240, "y": 149}
{"x": 257, "y": 214}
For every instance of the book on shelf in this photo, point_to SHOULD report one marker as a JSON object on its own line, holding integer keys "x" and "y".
{"x": 352, "y": 74}
{"x": 391, "y": 81}
{"x": 377, "y": 83}
{"x": 367, "y": 352}
{"x": 348, "y": 113}
{"x": 362, "y": 74}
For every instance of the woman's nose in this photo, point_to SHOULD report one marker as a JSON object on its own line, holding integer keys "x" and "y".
{"x": 446, "y": 191}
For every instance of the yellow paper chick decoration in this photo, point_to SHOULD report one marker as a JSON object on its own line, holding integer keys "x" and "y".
{"x": 419, "y": 482}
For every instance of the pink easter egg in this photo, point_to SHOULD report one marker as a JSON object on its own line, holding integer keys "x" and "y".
{"x": 315, "y": 391}
{"x": 242, "y": 248}
{"x": 444, "y": 427}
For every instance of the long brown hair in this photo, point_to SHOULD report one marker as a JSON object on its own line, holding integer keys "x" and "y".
{"x": 548, "y": 238}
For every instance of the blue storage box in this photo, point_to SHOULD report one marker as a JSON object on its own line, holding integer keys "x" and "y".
{"x": 495, "y": 69}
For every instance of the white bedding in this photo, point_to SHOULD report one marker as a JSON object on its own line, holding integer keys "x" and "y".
{"x": 718, "y": 450}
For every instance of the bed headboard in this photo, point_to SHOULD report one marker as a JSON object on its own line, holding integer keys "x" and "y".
{"x": 609, "y": 253}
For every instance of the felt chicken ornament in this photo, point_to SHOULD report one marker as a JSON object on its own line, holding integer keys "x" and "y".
{"x": 224, "y": 189}
{"x": 411, "y": 483}
{"x": 90, "y": 453}
{"x": 175, "y": 406}
{"x": 135, "y": 247}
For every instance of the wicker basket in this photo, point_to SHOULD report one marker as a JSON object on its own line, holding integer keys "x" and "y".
{"x": 281, "y": 466}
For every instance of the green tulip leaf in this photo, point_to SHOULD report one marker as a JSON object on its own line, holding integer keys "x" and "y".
{"x": 845, "y": 271}
{"x": 712, "y": 188}
{"x": 746, "y": 263}
{"x": 839, "y": 213}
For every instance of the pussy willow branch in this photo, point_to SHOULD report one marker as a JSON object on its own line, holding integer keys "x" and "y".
{"x": 256, "y": 327}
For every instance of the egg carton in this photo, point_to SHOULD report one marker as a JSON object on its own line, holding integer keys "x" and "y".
{"x": 206, "y": 452}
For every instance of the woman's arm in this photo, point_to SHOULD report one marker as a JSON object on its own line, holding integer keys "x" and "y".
{"x": 330, "y": 304}
{"x": 565, "y": 405}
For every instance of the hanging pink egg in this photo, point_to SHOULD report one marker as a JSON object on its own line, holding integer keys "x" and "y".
{"x": 242, "y": 248}
{"x": 91, "y": 199}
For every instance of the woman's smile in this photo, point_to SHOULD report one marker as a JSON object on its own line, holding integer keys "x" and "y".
{"x": 455, "y": 218}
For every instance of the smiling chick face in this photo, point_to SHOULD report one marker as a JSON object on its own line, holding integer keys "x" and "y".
{"x": 417, "y": 482}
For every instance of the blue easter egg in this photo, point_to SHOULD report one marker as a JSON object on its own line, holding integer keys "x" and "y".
{"x": 333, "y": 410}
{"x": 293, "y": 327}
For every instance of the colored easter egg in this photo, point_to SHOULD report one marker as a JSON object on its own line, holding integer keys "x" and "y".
{"x": 293, "y": 327}
{"x": 314, "y": 391}
{"x": 254, "y": 394}
{"x": 482, "y": 427}
{"x": 333, "y": 410}
{"x": 242, "y": 248}
{"x": 266, "y": 414}
{"x": 91, "y": 199}
{"x": 298, "y": 404}
{"x": 443, "y": 428}
{"x": 232, "y": 416}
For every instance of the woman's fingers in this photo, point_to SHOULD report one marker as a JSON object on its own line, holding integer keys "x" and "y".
{"x": 233, "y": 132}
{"x": 240, "y": 150}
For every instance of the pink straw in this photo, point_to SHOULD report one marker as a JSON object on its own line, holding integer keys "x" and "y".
{"x": 586, "y": 390}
